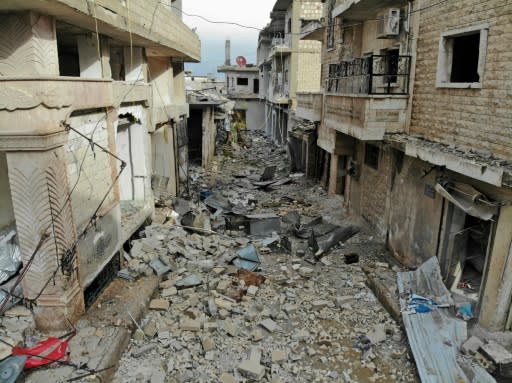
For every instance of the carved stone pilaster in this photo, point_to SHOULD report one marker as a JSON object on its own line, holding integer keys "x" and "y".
{"x": 39, "y": 189}
{"x": 28, "y": 45}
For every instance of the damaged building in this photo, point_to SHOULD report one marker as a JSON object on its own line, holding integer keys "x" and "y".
{"x": 209, "y": 108}
{"x": 414, "y": 115}
{"x": 288, "y": 64}
{"x": 242, "y": 84}
{"x": 92, "y": 113}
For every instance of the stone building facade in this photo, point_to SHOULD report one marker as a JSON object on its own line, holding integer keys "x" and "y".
{"x": 287, "y": 64}
{"x": 242, "y": 85}
{"x": 414, "y": 115}
{"x": 92, "y": 103}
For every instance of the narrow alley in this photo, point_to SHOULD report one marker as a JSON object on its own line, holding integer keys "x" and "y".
{"x": 295, "y": 320}
{"x": 272, "y": 191}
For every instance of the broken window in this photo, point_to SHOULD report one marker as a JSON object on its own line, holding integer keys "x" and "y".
{"x": 242, "y": 81}
{"x": 465, "y": 58}
{"x": 371, "y": 156}
{"x": 462, "y": 57}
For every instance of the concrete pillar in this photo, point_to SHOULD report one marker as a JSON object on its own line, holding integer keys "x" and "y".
{"x": 497, "y": 293}
{"x": 89, "y": 55}
{"x": 39, "y": 189}
{"x": 333, "y": 175}
{"x": 29, "y": 45}
{"x": 134, "y": 64}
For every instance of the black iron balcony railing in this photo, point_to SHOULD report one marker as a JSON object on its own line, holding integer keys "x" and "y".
{"x": 376, "y": 74}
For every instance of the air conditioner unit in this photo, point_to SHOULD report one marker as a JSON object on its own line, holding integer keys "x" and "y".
{"x": 389, "y": 24}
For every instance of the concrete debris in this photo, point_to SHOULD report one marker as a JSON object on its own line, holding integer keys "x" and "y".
{"x": 302, "y": 317}
{"x": 472, "y": 345}
{"x": 159, "y": 304}
{"x": 497, "y": 353}
{"x": 189, "y": 281}
{"x": 377, "y": 334}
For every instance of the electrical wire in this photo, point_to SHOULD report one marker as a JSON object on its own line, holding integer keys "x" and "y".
{"x": 70, "y": 253}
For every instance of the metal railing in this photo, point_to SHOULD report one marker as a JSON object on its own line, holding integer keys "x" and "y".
{"x": 376, "y": 74}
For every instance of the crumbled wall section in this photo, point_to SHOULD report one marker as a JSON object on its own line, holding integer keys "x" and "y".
{"x": 96, "y": 174}
{"x": 471, "y": 118}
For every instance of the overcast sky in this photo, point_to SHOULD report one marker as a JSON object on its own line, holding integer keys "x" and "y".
{"x": 213, "y": 36}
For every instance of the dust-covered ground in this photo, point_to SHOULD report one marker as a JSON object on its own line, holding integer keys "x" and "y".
{"x": 298, "y": 318}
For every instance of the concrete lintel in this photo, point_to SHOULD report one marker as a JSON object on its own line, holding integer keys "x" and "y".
{"x": 478, "y": 171}
{"x": 362, "y": 134}
{"x": 308, "y": 114}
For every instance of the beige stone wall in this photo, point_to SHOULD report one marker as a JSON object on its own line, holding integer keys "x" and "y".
{"x": 94, "y": 179}
{"x": 308, "y": 79}
{"x": 470, "y": 118}
{"x": 369, "y": 193}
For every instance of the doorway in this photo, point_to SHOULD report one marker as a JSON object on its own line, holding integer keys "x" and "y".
{"x": 464, "y": 252}
{"x": 195, "y": 136}
{"x": 341, "y": 175}
{"x": 130, "y": 147}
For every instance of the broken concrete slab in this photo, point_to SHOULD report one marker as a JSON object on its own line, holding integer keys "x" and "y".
{"x": 472, "y": 345}
{"x": 252, "y": 290}
{"x": 188, "y": 324}
{"x": 377, "y": 334}
{"x": 279, "y": 356}
{"x": 497, "y": 353}
{"x": 159, "y": 304}
{"x": 324, "y": 243}
{"x": 270, "y": 325}
{"x": 159, "y": 267}
{"x": 227, "y": 378}
{"x": 252, "y": 370}
{"x": 188, "y": 282}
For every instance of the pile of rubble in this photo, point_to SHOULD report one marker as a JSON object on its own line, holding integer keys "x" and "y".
{"x": 301, "y": 313}
{"x": 293, "y": 322}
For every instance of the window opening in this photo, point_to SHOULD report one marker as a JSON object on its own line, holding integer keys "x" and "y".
{"x": 242, "y": 81}
{"x": 256, "y": 85}
{"x": 466, "y": 50}
{"x": 371, "y": 156}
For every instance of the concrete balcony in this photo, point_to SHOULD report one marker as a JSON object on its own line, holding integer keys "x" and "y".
{"x": 36, "y": 106}
{"x": 281, "y": 46}
{"x": 365, "y": 117}
{"x": 150, "y": 23}
{"x": 309, "y": 106}
{"x": 313, "y": 30}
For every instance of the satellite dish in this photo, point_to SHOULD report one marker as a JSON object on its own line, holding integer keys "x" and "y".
{"x": 241, "y": 61}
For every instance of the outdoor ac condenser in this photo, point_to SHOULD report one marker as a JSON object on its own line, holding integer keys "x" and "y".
{"x": 389, "y": 24}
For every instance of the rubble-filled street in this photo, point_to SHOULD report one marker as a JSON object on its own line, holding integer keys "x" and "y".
{"x": 297, "y": 318}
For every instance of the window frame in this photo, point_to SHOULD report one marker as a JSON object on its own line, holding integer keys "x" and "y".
{"x": 445, "y": 56}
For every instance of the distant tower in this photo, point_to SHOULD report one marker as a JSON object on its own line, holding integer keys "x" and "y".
{"x": 228, "y": 53}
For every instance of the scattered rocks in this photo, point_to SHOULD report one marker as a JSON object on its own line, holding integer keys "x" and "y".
{"x": 291, "y": 321}
{"x": 159, "y": 304}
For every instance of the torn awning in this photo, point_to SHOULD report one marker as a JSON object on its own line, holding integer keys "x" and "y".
{"x": 467, "y": 198}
